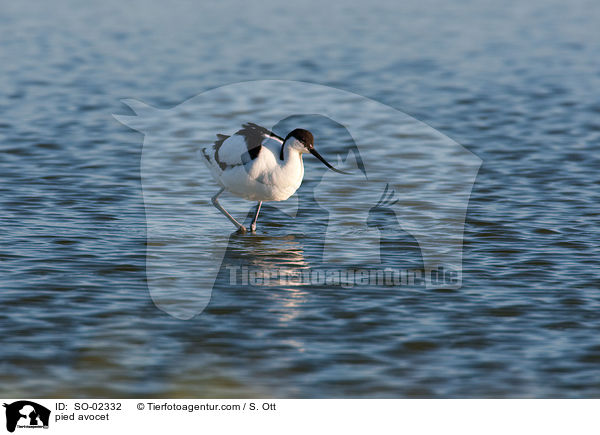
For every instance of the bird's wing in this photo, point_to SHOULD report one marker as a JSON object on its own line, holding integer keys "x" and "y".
{"x": 258, "y": 138}
{"x": 255, "y": 133}
{"x": 211, "y": 153}
{"x": 228, "y": 153}
{"x": 242, "y": 147}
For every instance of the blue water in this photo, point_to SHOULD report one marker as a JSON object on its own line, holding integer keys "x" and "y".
{"x": 515, "y": 83}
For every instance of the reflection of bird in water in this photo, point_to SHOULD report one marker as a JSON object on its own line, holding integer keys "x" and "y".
{"x": 397, "y": 247}
{"x": 270, "y": 271}
{"x": 285, "y": 254}
{"x": 270, "y": 254}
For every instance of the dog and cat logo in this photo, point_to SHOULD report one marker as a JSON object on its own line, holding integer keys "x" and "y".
{"x": 26, "y": 414}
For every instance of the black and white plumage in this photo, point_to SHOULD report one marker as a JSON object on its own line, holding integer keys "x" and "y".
{"x": 258, "y": 165}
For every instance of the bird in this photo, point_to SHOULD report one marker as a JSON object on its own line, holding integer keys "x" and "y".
{"x": 258, "y": 165}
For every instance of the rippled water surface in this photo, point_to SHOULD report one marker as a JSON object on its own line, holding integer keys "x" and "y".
{"x": 516, "y": 84}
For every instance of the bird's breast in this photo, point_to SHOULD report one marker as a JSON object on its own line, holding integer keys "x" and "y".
{"x": 266, "y": 178}
{"x": 277, "y": 180}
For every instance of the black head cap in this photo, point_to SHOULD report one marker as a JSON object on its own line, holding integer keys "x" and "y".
{"x": 303, "y": 136}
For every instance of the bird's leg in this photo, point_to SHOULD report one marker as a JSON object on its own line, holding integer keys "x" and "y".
{"x": 253, "y": 226}
{"x": 215, "y": 202}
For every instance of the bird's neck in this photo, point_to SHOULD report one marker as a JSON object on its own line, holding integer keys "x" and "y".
{"x": 287, "y": 152}
{"x": 281, "y": 153}
{"x": 289, "y": 156}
